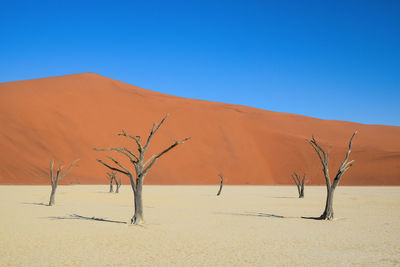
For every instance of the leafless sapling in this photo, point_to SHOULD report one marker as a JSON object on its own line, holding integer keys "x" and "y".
{"x": 221, "y": 184}
{"x": 139, "y": 163}
{"x": 54, "y": 179}
{"x": 299, "y": 183}
{"x": 118, "y": 183}
{"x": 111, "y": 177}
{"x": 324, "y": 158}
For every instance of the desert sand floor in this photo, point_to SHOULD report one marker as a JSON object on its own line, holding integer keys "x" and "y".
{"x": 191, "y": 226}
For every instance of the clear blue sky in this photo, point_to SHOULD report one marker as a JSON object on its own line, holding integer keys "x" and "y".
{"x": 325, "y": 59}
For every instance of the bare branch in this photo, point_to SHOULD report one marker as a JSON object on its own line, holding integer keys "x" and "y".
{"x": 345, "y": 165}
{"x": 348, "y": 164}
{"x": 163, "y": 152}
{"x": 154, "y": 129}
{"x": 111, "y": 175}
{"x": 70, "y": 167}
{"x": 321, "y": 149}
{"x": 329, "y": 151}
{"x": 116, "y": 180}
{"x": 121, "y": 150}
{"x": 60, "y": 167}
{"x": 294, "y": 178}
{"x": 119, "y": 164}
{"x": 298, "y": 178}
{"x": 58, "y": 173}
{"x": 144, "y": 165}
{"x": 348, "y": 167}
{"x": 112, "y": 168}
{"x": 135, "y": 138}
{"x": 317, "y": 150}
{"x": 324, "y": 160}
{"x": 51, "y": 172}
{"x": 342, "y": 166}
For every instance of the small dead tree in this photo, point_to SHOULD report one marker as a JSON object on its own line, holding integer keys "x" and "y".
{"x": 54, "y": 179}
{"x": 111, "y": 177}
{"x": 324, "y": 158}
{"x": 299, "y": 183}
{"x": 118, "y": 184}
{"x": 139, "y": 163}
{"x": 221, "y": 184}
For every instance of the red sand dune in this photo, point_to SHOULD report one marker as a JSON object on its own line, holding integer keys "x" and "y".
{"x": 64, "y": 117}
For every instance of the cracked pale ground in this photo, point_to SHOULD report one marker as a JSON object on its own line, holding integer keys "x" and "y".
{"x": 191, "y": 226}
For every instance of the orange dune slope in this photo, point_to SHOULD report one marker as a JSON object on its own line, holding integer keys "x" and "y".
{"x": 64, "y": 117}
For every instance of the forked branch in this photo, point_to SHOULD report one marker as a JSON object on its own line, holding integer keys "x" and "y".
{"x": 74, "y": 163}
{"x": 139, "y": 163}
{"x": 54, "y": 179}
{"x": 299, "y": 183}
{"x": 176, "y": 143}
{"x": 135, "y": 138}
{"x": 323, "y": 156}
{"x": 345, "y": 164}
{"x": 328, "y": 213}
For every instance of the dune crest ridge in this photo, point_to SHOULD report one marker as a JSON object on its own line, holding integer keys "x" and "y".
{"x": 64, "y": 117}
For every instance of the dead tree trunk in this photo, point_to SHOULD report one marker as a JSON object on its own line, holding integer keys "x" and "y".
{"x": 111, "y": 187}
{"x": 54, "y": 179}
{"x": 140, "y": 165}
{"x": 118, "y": 184}
{"x": 52, "y": 200}
{"x": 299, "y": 183}
{"x": 221, "y": 184}
{"x": 328, "y": 213}
{"x": 137, "y": 218}
{"x": 111, "y": 177}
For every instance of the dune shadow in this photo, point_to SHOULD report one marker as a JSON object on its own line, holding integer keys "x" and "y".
{"x": 80, "y": 217}
{"x": 254, "y": 214}
{"x": 36, "y": 203}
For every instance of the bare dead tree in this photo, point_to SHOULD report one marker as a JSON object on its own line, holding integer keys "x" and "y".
{"x": 111, "y": 177}
{"x": 54, "y": 179}
{"x": 221, "y": 184}
{"x": 118, "y": 184}
{"x": 139, "y": 163}
{"x": 299, "y": 183}
{"x": 324, "y": 158}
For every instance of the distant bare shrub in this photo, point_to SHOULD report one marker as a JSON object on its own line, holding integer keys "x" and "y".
{"x": 54, "y": 179}
{"x": 299, "y": 183}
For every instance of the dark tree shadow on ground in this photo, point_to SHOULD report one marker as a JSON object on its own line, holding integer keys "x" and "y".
{"x": 35, "y": 203}
{"x": 80, "y": 217}
{"x": 284, "y": 197}
{"x": 255, "y": 214}
{"x": 312, "y": 218}
{"x": 267, "y": 215}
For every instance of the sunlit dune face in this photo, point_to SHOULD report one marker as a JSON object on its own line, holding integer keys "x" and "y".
{"x": 64, "y": 117}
